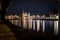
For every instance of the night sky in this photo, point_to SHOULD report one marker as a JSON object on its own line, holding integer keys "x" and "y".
{"x": 33, "y": 6}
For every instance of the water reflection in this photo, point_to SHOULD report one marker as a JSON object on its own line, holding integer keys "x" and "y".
{"x": 37, "y": 24}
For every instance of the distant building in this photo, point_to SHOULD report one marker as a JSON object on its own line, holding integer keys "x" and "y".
{"x": 34, "y": 22}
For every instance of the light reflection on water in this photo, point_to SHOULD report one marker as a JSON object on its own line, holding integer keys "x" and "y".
{"x": 39, "y": 23}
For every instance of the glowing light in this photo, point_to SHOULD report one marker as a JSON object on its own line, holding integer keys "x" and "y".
{"x": 38, "y": 25}
{"x": 30, "y": 24}
{"x": 25, "y": 24}
{"x": 55, "y": 27}
{"x": 43, "y": 25}
{"x": 46, "y": 23}
{"x": 33, "y": 24}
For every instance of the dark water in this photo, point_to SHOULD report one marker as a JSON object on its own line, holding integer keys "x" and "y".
{"x": 24, "y": 34}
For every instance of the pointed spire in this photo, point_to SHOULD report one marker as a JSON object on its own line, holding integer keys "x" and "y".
{"x": 28, "y": 10}
{"x": 23, "y": 10}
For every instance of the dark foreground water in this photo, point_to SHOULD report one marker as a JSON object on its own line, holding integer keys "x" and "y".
{"x": 22, "y": 34}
